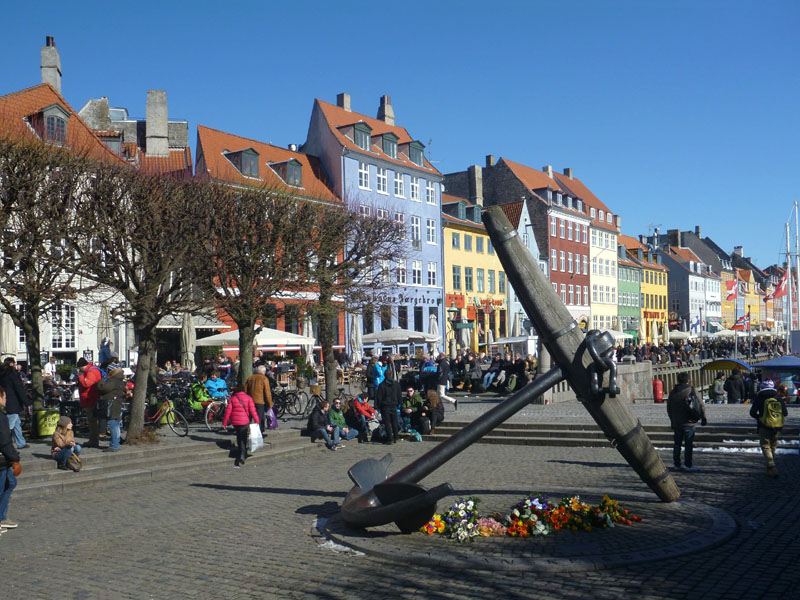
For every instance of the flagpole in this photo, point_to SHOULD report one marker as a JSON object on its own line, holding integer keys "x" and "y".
{"x": 735, "y": 313}
{"x": 788, "y": 293}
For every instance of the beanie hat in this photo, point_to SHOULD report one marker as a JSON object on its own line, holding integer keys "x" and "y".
{"x": 768, "y": 384}
{"x": 82, "y": 362}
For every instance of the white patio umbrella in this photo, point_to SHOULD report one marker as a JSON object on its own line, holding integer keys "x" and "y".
{"x": 489, "y": 339}
{"x": 618, "y": 325}
{"x": 641, "y": 332}
{"x": 355, "y": 339}
{"x": 308, "y": 331}
{"x": 515, "y": 326}
{"x": 679, "y": 335}
{"x": 466, "y": 338}
{"x": 433, "y": 329}
{"x": 188, "y": 342}
{"x": 396, "y": 336}
{"x": 620, "y": 335}
{"x": 654, "y": 333}
{"x": 8, "y": 336}
{"x": 105, "y": 327}
{"x": 665, "y": 334}
{"x": 266, "y": 337}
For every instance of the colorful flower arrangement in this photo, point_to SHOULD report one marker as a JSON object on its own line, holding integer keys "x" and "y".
{"x": 535, "y": 515}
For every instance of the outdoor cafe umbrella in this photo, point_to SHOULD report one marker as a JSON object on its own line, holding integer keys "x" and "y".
{"x": 265, "y": 337}
{"x": 620, "y": 335}
{"x": 679, "y": 335}
{"x": 355, "y": 339}
{"x": 433, "y": 329}
{"x": 489, "y": 339}
{"x": 515, "y": 327}
{"x": 188, "y": 342}
{"x": 654, "y": 332}
{"x": 641, "y": 331}
{"x": 308, "y": 331}
{"x": 465, "y": 338}
{"x": 105, "y": 327}
{"x": 8, "y": 336}
{"x": 665, "y": 334}
{"x": 396, "y": 336}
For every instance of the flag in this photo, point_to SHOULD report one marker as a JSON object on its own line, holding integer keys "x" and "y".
{"x": 780, "y": 289}
{"x": 742, "y": 323}
{"x": 732, "y": 290}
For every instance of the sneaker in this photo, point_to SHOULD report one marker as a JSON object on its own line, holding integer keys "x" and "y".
{"x": 771, "y": 472}
{"x": 692, "y": 469}
{"x": 63, "y": 468}
{"x": 6, "y": 524}
{"x": 678, "y": 468}
{"x": 339, "y": 446}
{"x": 456, "y": 403}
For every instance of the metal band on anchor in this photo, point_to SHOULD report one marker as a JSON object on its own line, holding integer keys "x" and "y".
{"x": 561, "y": 332}
{"x": 507, "y": 236}
{"x": 623, "y": 439}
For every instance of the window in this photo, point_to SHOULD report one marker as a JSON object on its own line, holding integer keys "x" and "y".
{"x": 553, "y": 226}
{"x": 430, "y": 192}
{"x": 415, "y": 153}
{"x": 400, "y": 218}
{"x": 402, "y": 317}
{"x": 468, "y": 279}
{"x": 553, "y": 260}
{"x": 382, "y": 180}
{"x": 401, "y": 271}
{"x": 364, "y": 210}
{"x": 430, "y": 230}
{"x": 456, "y": 277}
{"x": 592, "y": 212}
{"x": 363, "y": 175}
{"x": 63, "y": 327}
{"x": 569, "y": 262}
{"x": 294, "y": 173}
{"x": 480, "y": 281}
{"x": 585, "y": 264}
{"x": 594, "y": 265}
{"x": 585, "y": 230}
{"x": 456, "y": 243}
{"x": 385, "y": 272}
{"x": 432, "y": 273}
{"x": 561, "y": 228}
{"x": 246, "y": 161}
{"x": 562, "y": 261}
{"x": 399, "y": 189}
{"x": 390, "y": 145}
{"x": 415, "y": 189}
{"x": 525, "y": 240}
{"x": 569, "y": 230}
{"x": 564, "y": 293}
{"x": 577, "y": 264}
{"x": 479, "y": 244}
{"x": 555, "y": 288}
{"x": 594, "y": 293}
{"x": 578, "y": 295}
{"x": 467, "y": 243}
{"x": 571, "y": 294}
{"x": 363, "y": 136}
{"x": 558, "y": 198}
{"x": 416, "y": 272}
{"x": 491, "y": 281}
{"x": 586, "y": 293}
{"x": 382, "y": 213}
{"x": 601, "y": 215}
{"x": 489, "y": 246}
{"x": 415, "y": 228}
{"x": 608, "y": 217}
{"x": 569, "y": 205}
{"x": 501, "y": 286}
{"x": 594, "y": 237}
{"x": 608, "y": 268}
{"x": 579, "y": 207}
{"x": 56, "y": 130}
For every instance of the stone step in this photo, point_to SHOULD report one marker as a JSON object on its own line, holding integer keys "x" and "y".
{"x": 512, "y": 426}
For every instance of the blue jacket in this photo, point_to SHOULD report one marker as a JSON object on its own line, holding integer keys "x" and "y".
{"x": 217, "y": 388}
{"x": 378, "y": 374}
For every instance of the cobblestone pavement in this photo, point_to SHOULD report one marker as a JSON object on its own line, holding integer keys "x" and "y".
{"x": 251, "y": 532}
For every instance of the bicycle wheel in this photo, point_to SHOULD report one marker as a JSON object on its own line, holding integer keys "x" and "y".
{"x": 178, "y": 423}
{"x": 291, "y": 403}
{"x": 310, "y": 404}
{"x": 214, "y": 413}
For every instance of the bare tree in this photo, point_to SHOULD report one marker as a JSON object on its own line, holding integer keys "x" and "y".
{"x": 38, "y": 187}
{"x": 140, "y": 236}
{"x": 351, "y": 262}
{"x": 256, "y": 256}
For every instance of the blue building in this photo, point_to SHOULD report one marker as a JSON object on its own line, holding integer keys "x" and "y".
{"x": 378, "y": 166}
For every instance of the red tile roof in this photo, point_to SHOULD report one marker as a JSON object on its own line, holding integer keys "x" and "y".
{"x": 630, "y": 243}
{"x": 337, "y": 117}
{"x": 17, "y": 108}
{"x": 629, "y": 263}
{"x": 450, "y": 199}
{"x": 685, "y": 254}
{"x": 577, "y": 189}
{"x": 177, "y": 164}
{"x": 513, "y": 211}
{"x": 211, "y": 144}
{"x": 533, "y": 179}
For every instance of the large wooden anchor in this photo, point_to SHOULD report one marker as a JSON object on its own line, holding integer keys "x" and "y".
{"x": 583, "y": 360}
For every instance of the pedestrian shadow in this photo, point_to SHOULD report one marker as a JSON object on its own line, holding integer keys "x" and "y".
{"x": 583, "y": 463}
{"x": 326, "y": 509}
{"x": 268, "y": 490}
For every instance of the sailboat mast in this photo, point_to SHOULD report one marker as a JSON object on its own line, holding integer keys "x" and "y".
{"x": 788, "y": 292}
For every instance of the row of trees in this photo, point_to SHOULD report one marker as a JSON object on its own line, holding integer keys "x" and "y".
{"x": 70, "y": 225}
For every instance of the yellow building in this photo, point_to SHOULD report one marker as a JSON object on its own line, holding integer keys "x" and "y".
{"x": 476, "y": 290}
{"x": 654, "y": 288}
{"x": 748, "y": 300}
{"x": 728, "y": 306}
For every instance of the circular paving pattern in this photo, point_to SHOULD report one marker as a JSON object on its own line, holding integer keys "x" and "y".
{"x": 666, "y": 530}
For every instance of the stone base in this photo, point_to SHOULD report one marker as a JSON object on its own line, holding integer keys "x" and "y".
{"x": 666, "y": 530}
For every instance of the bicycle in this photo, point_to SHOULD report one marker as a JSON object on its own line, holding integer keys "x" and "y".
{"x": 176, "y": 421}
{"x": 215, "y": 412}
{"x": 290, "y": 401}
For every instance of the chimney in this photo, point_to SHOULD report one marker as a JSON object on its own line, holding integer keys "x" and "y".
{"x": 738, "y": 251}
{"x": 640, "y": 254}
{"x": 618, "y": 222}
{"x": 568, "y": 172}
{"x": 549, "y": 170}
{"x": 293, "y": 147}
{"x": 697, "y": 231}
{"x": 157, "y": 143}
{"x": 51, "y": 64}
{"x": 674, "y": 237}
{"x": 385, "y": 111}
{"x": 475, "y": 177}
{"x": 343, "y": 101}
{"x": 658, "y": 258}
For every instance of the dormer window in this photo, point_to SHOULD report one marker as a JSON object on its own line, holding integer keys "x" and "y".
{"x": 602, "y": 215}
{"x": 569, "y": 202}
{"x": 462, "y": 211}
{"x": 390, "y": 145}
{"x": 415, "y": 153}
{"x": 244, "y": 160}
{"x": 476, "y": 215}
{"x": 592, "y": 212}
{"x": 608, "y": 217}
{"x": 363, "y": 135}
{"x": 291, "y": 171}
{"x": 579, "y": 206}
{"x": 55, "y": 121}
{"x": 558, "y": 198}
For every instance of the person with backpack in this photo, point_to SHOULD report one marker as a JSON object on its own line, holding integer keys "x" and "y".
{"x": 769, "y": 410}
{"x": 682, "y": 404}
{"x": 717, "y": 394}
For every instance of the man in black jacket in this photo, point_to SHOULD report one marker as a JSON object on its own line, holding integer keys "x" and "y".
{"x": 442, "y": 379}
{"x": 319, "y": 426}
{"x": 387, "y": 399}
{"x": 735, "y": 387}
{"x": 16, "y": 399}
{"x": 682, "y": 422}
{"x": 9, "y": 467}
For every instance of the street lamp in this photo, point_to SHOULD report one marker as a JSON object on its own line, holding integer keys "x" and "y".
{"x": 453, "y": 316}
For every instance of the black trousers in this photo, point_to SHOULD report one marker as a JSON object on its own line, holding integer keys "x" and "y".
{"x": 260, "y": 410}
{"x": 390, "y": 423}
{"x": 242, "y": 435}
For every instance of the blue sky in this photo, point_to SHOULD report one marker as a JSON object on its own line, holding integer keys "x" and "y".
{"x": 675, "y": 114}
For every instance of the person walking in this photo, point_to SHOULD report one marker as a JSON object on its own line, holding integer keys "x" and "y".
{"x": 387, "y": 400}
{"x": 718, "y": 388}
{"x": 17, "y": 400}
{"x": 257, "y": 387}
{"x": 735, "y": 387}
{"x": 769, "y": 411}
{"x": 10, "y": 468}
{"x": 111, "y": 395}
{"x": 442, "y": 378}
{"x": 240, "y": 412}
{"x": 88, "y": 377}
{"x": 683, "y": 423}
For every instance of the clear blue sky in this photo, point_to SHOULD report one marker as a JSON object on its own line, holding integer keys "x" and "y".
{"x": 677, "y": 113}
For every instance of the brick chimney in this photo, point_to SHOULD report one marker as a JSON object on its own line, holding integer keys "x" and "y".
{"x": 156, "y": 128}
{"x": 697, "y": 231}
{"x": 738, "y": 251}
{"x": 568, "y": 172}
{"x": 549, "y": 170}
{"x": 490, "y": 160}
{"x": 343, "y": 101}
{"x": 475, "y": 177}
{"x": 51, "y": 64}
{"x": 385, "y": 111}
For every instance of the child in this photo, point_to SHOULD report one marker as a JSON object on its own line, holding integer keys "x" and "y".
{"x": 64, "y": 443}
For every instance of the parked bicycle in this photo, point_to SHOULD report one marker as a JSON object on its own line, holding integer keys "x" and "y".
{"x": 291, "y": 401}
{"x": 154, "y": 414}
{"x": 215, "y": 412}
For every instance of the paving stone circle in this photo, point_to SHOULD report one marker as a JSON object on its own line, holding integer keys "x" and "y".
{"x": 667, "y": 530}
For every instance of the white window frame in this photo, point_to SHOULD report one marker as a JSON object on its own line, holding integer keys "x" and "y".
{"x": 381, "y": 213}
{"x": 554, "y": 260}
{"x": 363, "y": 176}
{"x": 416, "y": 272}
{"x": 562, "y": 259}
{"x": 553, "y": 227}
{"x": 364, "y": 209}
{"x": 382, "y": 180}
{"x": 399, "y": 185}
{"x": 430, "y": 192}
{"x": 415, "y": 189}
{"x": 430, "y": 231}
{"x": 416, "y": 227}
{"x": 401, "y": 271}
{"x": 432, "y": 274}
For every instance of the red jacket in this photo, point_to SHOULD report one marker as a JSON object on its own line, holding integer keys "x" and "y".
{"x": 87, "y": 385}
{"x": 240, "y": 410}
{"x": 363, "y": 408}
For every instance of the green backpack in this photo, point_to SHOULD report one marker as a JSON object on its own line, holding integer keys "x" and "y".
{"x": 772, "y": 415}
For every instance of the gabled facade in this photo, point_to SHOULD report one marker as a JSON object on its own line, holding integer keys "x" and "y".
{"x": 694, "y": 290}
{"x": 475, "y": 283}
{"x": 630, "y": 293}
{"x": 653, "y": 285}
{"x": 378, "y": 166}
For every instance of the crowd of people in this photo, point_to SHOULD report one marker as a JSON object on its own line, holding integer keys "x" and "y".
{"x": 689, "y": 352}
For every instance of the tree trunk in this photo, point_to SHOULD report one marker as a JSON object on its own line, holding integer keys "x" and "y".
{"x": 246, "y": 337}
{"x": 147, "y": 349}
{"x": 326, "y": 341}
{"x": 31, "y": 329}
